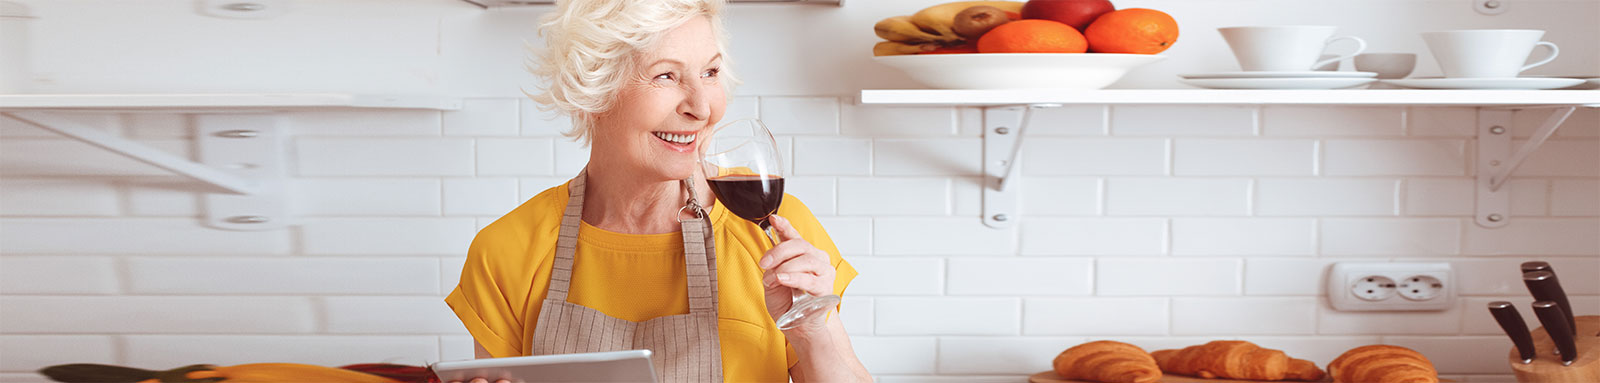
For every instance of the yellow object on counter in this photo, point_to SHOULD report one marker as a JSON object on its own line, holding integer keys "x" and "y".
{"x": 629, "y": 276}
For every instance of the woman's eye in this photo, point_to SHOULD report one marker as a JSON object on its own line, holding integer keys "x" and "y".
{"x": 664, "y": 76}
{"x": 711, "y": 73}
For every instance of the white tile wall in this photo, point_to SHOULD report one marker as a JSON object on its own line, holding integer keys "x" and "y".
{"x": 1250, "y": 316}
{"x": 927, "y": 157}
{"x": 1394, "y": 157}
{"x": 1021, "y": 276}
{"x": 1243, "y": 236}
{"x": 897, "y": 355}
{"x": 894, "y": 196}
{"x": 1093, "y": 156}
{"x": 1398, "y": 237}
{"x": 52, "y": 274}
{"x": 1197, "y": 196}
{"x": 1094, "y": 236}
{"x": 947, "y": 316}
{"x": 366, "y": 196}
{"x": 1095, "y": 316}
{"x": 1243, "y": 157}
{"x": 1130, "y": 120}
{"x": 50, "y": 197}
{"x": 1326, "y": 197}
{"x": 32, "y": 352}
{"x": 1162, "y": 226}
{"x": 1322, "y": 121}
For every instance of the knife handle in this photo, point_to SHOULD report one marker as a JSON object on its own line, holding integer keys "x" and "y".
{"x": 1555, "y": 323}
{"x": 1535, "y": 266}
{"x": 1511, "y": 321}
{"x": 1545, "y": 287}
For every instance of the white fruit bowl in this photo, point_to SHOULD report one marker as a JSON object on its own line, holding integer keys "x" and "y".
{"x": 1018, "y": 70}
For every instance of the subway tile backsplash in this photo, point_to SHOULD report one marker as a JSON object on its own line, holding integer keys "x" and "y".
{"x": 1163, "y": 226}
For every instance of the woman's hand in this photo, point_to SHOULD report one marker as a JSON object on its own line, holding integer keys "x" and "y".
{"x": 795, "y": 264}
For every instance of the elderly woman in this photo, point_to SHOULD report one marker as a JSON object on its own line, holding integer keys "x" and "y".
{"x": 636, "y": 77}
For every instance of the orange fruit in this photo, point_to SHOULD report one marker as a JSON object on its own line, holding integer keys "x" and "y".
{"x": 1032, "y": 36}
{"x": 1132, "y": 30}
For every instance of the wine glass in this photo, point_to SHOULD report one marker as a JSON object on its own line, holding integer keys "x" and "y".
{"x": 744, "y": 168}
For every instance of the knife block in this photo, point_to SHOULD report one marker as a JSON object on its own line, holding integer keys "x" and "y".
{"x": 1546, "y": 366}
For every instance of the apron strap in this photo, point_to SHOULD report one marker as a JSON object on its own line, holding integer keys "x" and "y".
{"x": 567, "y": 239}
{"x": 700, "y": 265}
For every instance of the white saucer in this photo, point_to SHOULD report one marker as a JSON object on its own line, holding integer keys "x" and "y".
{"x": 1278, "y": 83}
{"x": 1487, "y": 83}
{"x": 1295, "y": 74}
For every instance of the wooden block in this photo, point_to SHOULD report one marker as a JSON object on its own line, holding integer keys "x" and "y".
{"x": 1547, "y": 367}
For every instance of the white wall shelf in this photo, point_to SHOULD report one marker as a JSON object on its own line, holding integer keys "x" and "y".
{"x": 239, "y": 138}
{"x": 221, "y": 101}
{"x": 1006, "y": 112}
{"x": 984, "y": 97}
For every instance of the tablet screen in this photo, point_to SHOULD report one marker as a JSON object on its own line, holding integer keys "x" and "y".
{"x": 612, "y": 366}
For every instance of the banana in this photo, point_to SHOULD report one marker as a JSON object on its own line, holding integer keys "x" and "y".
{"x": 891, "y": 48}
{"x": 901, "y": 29}
{"x": 940, "y": 19}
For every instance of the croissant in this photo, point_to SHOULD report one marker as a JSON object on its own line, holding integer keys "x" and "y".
{"x": 1109, "y": 362}
{"x": 1382, "y": 364}
{"x": 1233, "y": 359}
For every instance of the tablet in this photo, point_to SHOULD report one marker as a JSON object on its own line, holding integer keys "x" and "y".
{"x": 631, "y": 366}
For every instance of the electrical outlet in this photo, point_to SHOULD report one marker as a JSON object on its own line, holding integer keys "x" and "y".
{"x": 1391, "y": 286}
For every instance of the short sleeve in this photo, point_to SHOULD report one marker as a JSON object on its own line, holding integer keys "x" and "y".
{"x": 482, "y": 302}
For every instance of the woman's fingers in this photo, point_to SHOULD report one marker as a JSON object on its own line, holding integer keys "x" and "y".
{"x": 782, "y": 227}
{"x": 808, "y": 282}
{"x": 783, "y": 252}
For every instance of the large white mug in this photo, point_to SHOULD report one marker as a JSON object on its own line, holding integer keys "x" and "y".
{"x": 1284, "y": 48}
{"x": 1485, "y": 53}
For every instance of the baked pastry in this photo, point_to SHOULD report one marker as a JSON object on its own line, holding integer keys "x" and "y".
{"x": 1382, "y": 364}
{"x": 1109, "y": 362}
{"x": 1235, "y": 359}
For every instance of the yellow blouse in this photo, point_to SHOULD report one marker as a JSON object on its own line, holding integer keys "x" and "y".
{"x": 629, "y": 276}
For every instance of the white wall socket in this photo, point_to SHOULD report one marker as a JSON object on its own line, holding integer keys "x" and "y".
{"x": 1391, "y": 286}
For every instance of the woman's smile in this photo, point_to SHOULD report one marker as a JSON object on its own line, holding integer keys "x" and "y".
{"x": 681, "y": 141}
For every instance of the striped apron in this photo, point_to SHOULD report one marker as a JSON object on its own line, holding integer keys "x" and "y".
{"x": 685, "y": 347}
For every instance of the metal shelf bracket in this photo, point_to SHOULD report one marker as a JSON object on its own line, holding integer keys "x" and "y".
{"x": 1496, "y": 161}
{"x": 1003, "y": 127}
{"x": 240, "y": 153}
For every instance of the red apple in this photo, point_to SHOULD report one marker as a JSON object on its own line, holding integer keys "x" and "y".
{"x": 1077, "y": 13}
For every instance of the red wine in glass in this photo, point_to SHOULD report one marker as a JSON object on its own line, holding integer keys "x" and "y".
{"x": 743, "y": 166}
{"x": 752, "y": 197}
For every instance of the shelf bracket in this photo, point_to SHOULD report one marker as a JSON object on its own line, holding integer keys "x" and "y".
{"x": 240, "y": 153}
{"x": 1496, "y": 161}
{"x": 1003, "y": 126}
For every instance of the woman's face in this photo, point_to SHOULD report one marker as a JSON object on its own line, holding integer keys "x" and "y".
{"x": 663, "y": 112}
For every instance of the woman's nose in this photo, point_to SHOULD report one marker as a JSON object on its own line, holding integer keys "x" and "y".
{"x": 696, "y": 103}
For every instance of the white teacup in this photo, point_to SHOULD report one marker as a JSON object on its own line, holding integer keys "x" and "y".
{"x": 1387, "y": 65}
{"x": 1487, "y": 53}
{"x": 1284, "y": 48}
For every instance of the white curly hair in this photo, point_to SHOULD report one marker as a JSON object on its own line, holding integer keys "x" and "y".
{"x": 590, "y": 48}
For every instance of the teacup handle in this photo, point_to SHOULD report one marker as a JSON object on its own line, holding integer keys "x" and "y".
{"x": 1553, "y": 53}
{"x": 1361, "y": 45}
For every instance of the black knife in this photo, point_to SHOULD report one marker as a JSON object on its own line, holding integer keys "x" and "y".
{"x": 1535, "y": 266}
{"x": 1511, "y": 321}
{"x": 1555, "y": 323}
{"x": 1545, "y": 287}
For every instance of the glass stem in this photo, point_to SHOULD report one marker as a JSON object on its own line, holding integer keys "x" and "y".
{"x": 772, "y": 237}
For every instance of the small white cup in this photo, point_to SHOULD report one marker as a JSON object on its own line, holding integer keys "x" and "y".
{"x": 1387, "y": 65}
{"x": 1284, "y": 48}
{"x": 1486, "y": 53}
